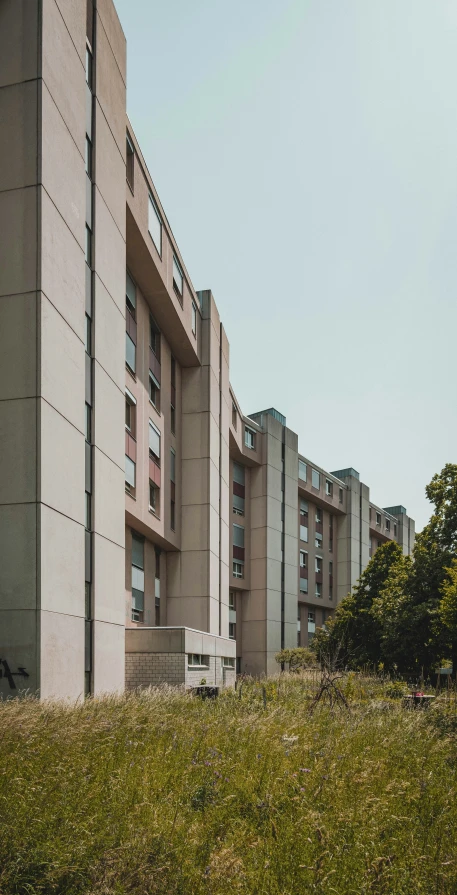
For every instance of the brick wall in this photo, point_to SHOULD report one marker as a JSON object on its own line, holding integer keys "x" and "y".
{"x": 150, "y": 669}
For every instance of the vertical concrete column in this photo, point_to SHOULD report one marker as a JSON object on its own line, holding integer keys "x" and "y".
{"x": 225, "y": 514}
{"x": 20, "y": 308}
{"x": 194, "y": 575}
{"x": 353, "y": 536}
{"x": 291, "y": 549}
{"x": 261, "y": 606}
{"x": 62, "y": 344}
{"x": 109, "y": 279}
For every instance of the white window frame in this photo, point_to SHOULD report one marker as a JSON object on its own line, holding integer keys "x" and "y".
{"x": 314, "y": 474}
{"x": 157, "y": 433}
{"x": 302, "y": 466}
{"x": 130, "y": 473}
{"x": 238, "y": 572}
{"x": 249, "y": 438}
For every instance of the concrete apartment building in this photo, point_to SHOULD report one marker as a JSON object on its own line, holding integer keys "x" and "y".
{"x": 150, "y": 530}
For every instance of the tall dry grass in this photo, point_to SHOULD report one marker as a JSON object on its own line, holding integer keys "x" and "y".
{"x": 159, "y": 792}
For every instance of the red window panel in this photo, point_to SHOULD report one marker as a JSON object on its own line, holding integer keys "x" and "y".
{"x": 154, "y": 365}
{"x": 239, "y": 489}
{"x": 154, "y": 472}
{"x": 238, "y": 553}
{"x": 303, "y": 572}
{"x": 130, "y": 326}
{"x": 130, "y": 447}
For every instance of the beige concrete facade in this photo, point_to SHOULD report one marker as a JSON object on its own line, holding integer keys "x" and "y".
{"x": 209, "y": 522}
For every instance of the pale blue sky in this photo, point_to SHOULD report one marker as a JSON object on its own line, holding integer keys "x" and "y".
{"x": 305, "y": 152}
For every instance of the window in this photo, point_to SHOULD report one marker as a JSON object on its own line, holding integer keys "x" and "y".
{"x": 238, "y": 569}
{"x": 238, "y": 480}
{"x": 88, "y": 334}
{"x": 154, "y": 442}
{"x": 234, "y": 415}
{"x": 315, "y": 479}
{"x": 137, "y": 578}
{"x": 303, "y": 585}
{"x": 318, "y": 590}
{"x": 311, "y": 624}
{"x": 303, "y": 507}
{"x": 88, "y": 420}
{"x": 318, "y": 564}
{"x": 378, "y": 544}
{"x": 196, "y": 660}
{"x": 173, "y": 371}
{"x": 130, "y": 162}
{"x": 194, "y": 318}
{"x": 130, "y": 353}
{"x": 172, "y": 419}
{"x": 130, "y": 413}
{"x": 232, "y": 631}
{"x": 238, "y": 505}
{"x": 341, "y": 495}
{"x": 395, "y": 529}
{"x": 154, "y": 391}
{"x": 231, "y": 599}
{"x": 330, "y": 568}
{"x": 304, "y": 533}
{"x": 318, "y": 515}
{"x": 238, "y": 535}
{"x": 370, "y": 549}
{"x": 378, "y": 518}
{"x": 387, "y": 524}
{"x": 155, "y": 225}
{"x": 228, "y": 662}
{"x": 88, "y": 246}
{"x": 318, "y": 540}
{"x": 172, "y": 465}
{"x": 239, "y": 474}
{"x": 87, "y": 512}
{"x": 130, "y": 468}
{"x": 303, "y": 559}
{"x": 329, "y": 488}
{"x": 178, "y": 279}
{"x": 330, "y": 591}
{"x": 154, "y": 498}
{"x": 172, "y": 515}
{"x": 130, "y": 295}
{"x": 89, "y": 67}
{"x": 88, "y": 157}
{"x": 302, "y": 470}
{"x": 154, "y": 337}
{"x": 249, "y": 438}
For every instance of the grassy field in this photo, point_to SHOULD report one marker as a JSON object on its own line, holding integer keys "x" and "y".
{"x": 163, "y": 793}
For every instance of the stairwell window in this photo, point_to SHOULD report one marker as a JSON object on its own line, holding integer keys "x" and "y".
{"x": 155, "y": 225}
{"x": 130, "y": 162}
{"x": 178, "y": 278}
{"x": 194, "y": 318}
{"x": 302, "y": 470}
{"x": 249, "y": 438}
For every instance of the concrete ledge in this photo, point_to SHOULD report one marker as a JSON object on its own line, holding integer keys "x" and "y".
{"x": 177, "y": 640}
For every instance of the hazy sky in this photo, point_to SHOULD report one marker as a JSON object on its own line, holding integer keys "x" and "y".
{"x": 305, "y": 152}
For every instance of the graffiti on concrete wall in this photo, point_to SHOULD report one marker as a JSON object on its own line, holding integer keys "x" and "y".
{"x": 6, "y": 672}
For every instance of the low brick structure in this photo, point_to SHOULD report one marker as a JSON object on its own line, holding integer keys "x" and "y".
{"x": 178, "y": 656}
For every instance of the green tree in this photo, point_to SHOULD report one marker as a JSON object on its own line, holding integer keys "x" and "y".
{"x": 448, "y": 610}
{"x": 354, "y": 633}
